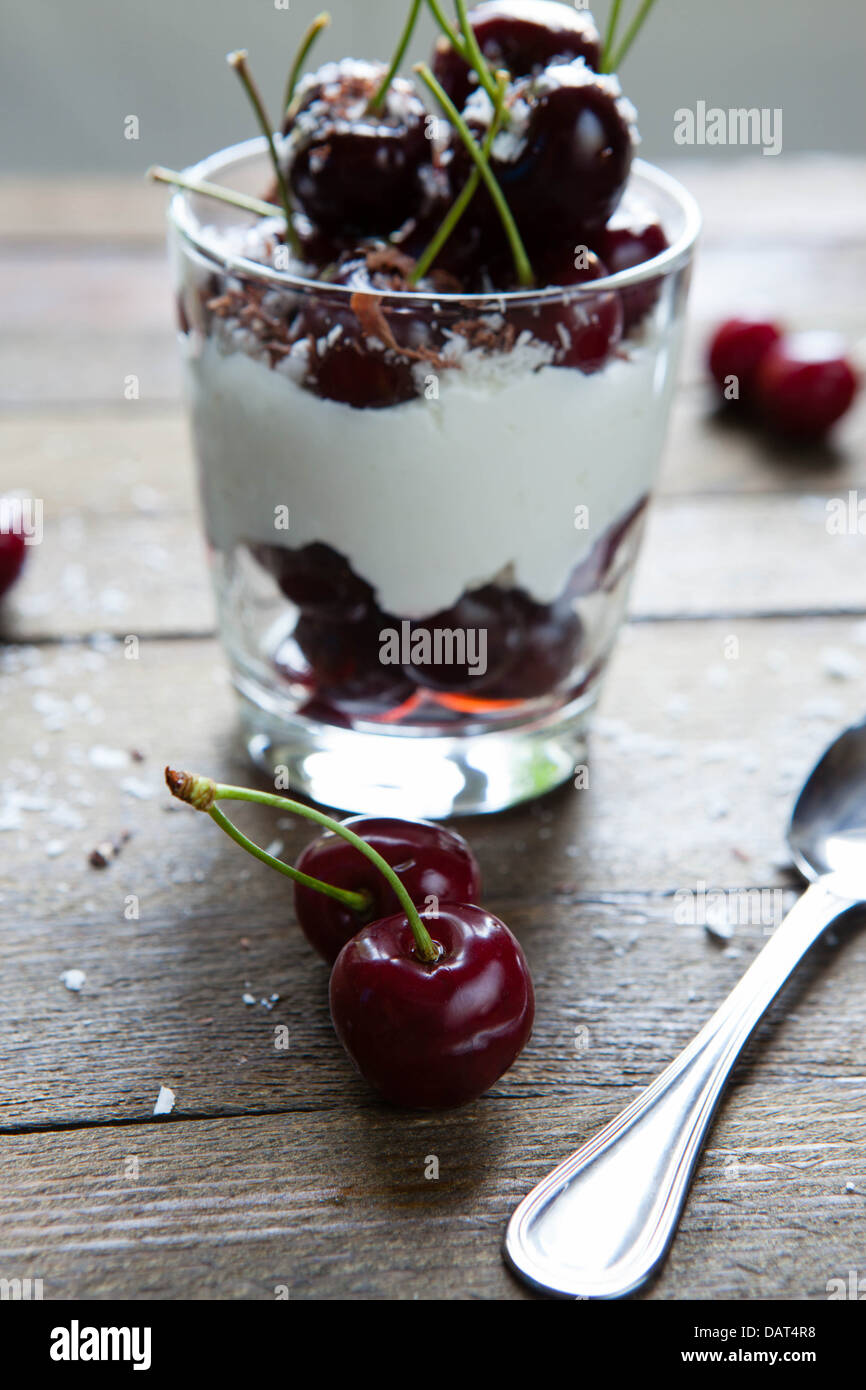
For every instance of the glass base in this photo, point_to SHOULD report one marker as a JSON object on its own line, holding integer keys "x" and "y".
{"x": 404, "y": 774}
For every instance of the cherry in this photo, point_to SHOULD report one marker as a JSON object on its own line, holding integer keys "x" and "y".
{"x": 521, "y": 37}
{"x": 356, "y": 171}
{"x": 431, "y": 862}
{"x": 581, "y": 331}
{"x": 360, "y": 355}
{"x": 737, "y": 349}
{"x": 359, "y": 374}
{"x": 13, "y": 548}
{"x": 594, "y": 572}
{"x": 432, "y": 1006}
{"x": 562, "y": 163}
{"x": 340, "y": 660}
{"x": 804, "y": 384}
{"x": 318, "y": 580}
{"x": 571, "y": 166}
{"x": 488, "y": 614}
{"x": 623, "y": 246}
{"x": 549, "y": 650}
{"x": 433, "y": 1035}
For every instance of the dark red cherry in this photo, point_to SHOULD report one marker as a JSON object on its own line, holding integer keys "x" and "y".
{"x": 318, "y": 580}
{"x": 804, "y": 384}
{"x": 599, "y": 568}
{"x": 341, "y": 662}
{"x": 571, "y": 165}
{"x": 583, "y": 331}
{"x": 736, "y": 351}
{"x": 359, "y": 373}
{"x": 431, "y": 862}
{"x": 521, "y": 36}
{"x": 357, "y": 172}
{"x": 432, "y": 1036}
{"x": 552, "y": 637}
{"x": 354, "y": 355}
{"x": 468, "y": 646}
{"x": 623, "y": 246}
{"x": 13, "y": 547}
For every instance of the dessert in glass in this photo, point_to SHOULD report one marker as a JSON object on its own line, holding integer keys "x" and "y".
{"x": 430, "y": 350}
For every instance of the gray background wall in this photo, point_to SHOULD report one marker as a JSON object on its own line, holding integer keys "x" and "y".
{"x": 71, "y": 70}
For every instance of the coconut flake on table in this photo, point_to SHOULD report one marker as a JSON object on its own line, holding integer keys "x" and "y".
{"x": 108, "y": 758}
{"x": 164, "y": 1101}
{"x": 133, "y": 786}
{"x": 840, "y": 665}
{"x": 73, "y": 979}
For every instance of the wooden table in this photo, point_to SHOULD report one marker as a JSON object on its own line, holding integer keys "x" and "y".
{"x": 278, "y": 1172}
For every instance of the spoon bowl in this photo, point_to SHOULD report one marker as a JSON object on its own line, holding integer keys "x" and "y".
{"x": 827, "y": 833}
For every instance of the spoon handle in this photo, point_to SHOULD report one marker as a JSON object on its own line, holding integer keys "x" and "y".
{"x": 599, "y": 1224}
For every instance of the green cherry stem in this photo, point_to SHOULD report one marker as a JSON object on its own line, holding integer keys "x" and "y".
{"x": 475, "y": 57}
{"x": 358, "y": 902}
{"x": 458, "y": 207}
{"x": 238, "y": 61}
{"x": 447, "y": 30}
{"x": 405, "y": 39}
{"x": 518, "y": 250}
{"x": 631, "y": 33}
{"x": 610, "y": 35}
{"x": 203, "y": 792}
{"x": 319, "y": 24}
{"x": 213, "y": 190}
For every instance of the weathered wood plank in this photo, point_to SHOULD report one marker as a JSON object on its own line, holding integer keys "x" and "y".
{"x": 330, "y": 1206}
{"x": 127, "y": 327}
{"x": 758, "y": 554}
{"x": 145, "y": 573}
{"x": 135, "y": 457}
{"x": 128, "y": 460}
{"x": 807, "y": 198}
{"x": 707, "y": 451}
{"x": 678, "y": 748}
{"x": 706, "y": 730}
{"x": 91, "y": 210}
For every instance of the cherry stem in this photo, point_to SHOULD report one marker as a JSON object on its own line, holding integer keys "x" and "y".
{"x": 238, "y": 61}
{"x": 518, "y": 250}
{"x": 379, "y": 99}
{"x": 631, "y": 33}
{"x": 610, "y": 35}
{"x": 359, "y": 902}
{"x": 446, "y": 28}
{"x": 475, "y": 57}
{"x": 319, "y": 24}
{"x": 457, "y": 209}
{"x": 214, "y": 190}
{"x": 203, "y": 792}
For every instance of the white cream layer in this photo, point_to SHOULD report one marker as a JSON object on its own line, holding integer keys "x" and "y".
{"x": 432, "y": 497}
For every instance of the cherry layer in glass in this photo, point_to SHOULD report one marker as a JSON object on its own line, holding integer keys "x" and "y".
{"x": 424, "y": 508}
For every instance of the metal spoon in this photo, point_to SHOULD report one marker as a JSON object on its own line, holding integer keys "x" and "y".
{"x": 602, "y": 1221}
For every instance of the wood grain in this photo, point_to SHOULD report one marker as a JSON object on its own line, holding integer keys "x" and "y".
{"x": 278, "y": 1169}
{"x": 336, "y": 1205}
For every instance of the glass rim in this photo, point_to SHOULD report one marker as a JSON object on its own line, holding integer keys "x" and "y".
{"x": 673, "y": 258}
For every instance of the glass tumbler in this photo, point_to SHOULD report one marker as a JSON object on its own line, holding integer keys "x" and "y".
{"x": 423, "y": 511}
